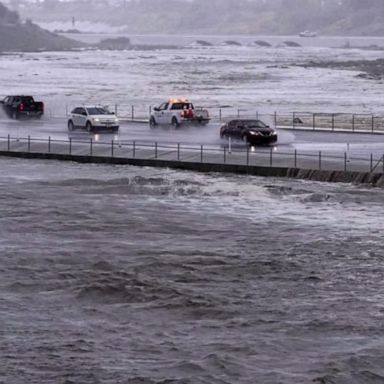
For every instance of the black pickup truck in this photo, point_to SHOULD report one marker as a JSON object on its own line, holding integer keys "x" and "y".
{"x": 17, "y": 106}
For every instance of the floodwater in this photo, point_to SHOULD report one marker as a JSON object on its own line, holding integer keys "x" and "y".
{"x": 117, "y": 274}
{"x": 265, "y": 80}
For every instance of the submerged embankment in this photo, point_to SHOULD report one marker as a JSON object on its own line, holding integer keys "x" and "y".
{"x": 372, "y": 178}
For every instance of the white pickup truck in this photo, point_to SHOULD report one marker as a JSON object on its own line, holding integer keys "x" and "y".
{"x": 176, "y": 112}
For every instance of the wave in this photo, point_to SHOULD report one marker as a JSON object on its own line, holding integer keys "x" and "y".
{"x": 107, "y": 283}
{"x": 146, "y": 380}
{"x": 139, "y": 185}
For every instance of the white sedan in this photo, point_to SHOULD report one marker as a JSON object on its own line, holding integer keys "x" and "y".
{"x": 93, "y": 118}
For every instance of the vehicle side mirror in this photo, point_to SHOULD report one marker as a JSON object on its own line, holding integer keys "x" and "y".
{"x": 84, "y": 113}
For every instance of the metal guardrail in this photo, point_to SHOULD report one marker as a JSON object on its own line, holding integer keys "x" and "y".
{"x": 295, "y": 120}
{"x": 350, "y": 122}
{"x": 226, "y": 154}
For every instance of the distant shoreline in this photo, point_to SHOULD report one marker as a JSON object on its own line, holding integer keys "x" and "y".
{"x": 217, "y": 39}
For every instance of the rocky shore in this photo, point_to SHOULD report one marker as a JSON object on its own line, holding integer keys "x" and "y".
{"x": 370, "y": 69}
{"x": 28, "y": 37}
{"x": 20, "y": 36}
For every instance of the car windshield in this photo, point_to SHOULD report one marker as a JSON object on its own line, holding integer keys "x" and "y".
{"x": 255, "y": 124}
{"x": 98, "y": 111}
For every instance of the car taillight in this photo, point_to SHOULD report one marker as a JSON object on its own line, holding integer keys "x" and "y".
{"x": 21, "y": 106}
{"x": 187, "y": 113}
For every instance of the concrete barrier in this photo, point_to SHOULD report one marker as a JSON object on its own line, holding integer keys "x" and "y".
{"x": 375, "y": 179}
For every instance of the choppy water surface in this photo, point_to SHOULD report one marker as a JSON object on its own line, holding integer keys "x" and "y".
{"x": 260, "y": 79}
{"x": 132, "y": 275}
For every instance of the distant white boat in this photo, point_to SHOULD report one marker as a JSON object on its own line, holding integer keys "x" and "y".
{"x": 307, "y": 34}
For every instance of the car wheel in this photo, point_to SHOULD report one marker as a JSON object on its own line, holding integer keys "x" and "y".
{"x": 88, "y": 126}
{"x": 174, "y": 122}
{"x": 70, "y": 125}
{"x": 152, "y": 122}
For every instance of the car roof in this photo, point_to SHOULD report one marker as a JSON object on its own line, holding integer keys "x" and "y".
{"x": 90, "y": 106}
{"x": 19, "y": 96}
{"x": 245, "y": 121}
{"x": 176, "y": 100}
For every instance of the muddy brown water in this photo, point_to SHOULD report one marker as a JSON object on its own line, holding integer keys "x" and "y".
{"x": 114, "y": 274}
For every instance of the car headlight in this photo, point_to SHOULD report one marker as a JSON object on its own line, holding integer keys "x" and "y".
{"x": 116, "y": 119}
{"x": 96, "y": 120}
{"x": 254, "y": 133}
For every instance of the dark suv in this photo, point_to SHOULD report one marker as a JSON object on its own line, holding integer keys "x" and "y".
{"x": 251, "y": 131}
{"x": 16, "y": 106}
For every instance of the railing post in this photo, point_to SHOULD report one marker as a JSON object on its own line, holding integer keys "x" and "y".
{"x": 353, "y": 123}
{"x": 91, "y": 147}
{"x": 225, "y": 154}
{"x": 371, "y": 163}
{"x": 70, "y": 145}
{"x": 293, "y": 120}
{"x": 220, "y": 114}
{"x": 134, "y": 149}
{"x": 9, "y": 142}
{"x": 178, "y": 152}
{"x": 49, "y": 144}
{"x": 112, "y": 148}
{"x": 150, "y": 111}
{"x": 333, "y": 121}
{"x": 319, "y": 160}
{"x": 201, "y": 153}
{"x": 373, "y": 124}
{"x": 275, "y": 119}
{"x": 29, "y": 143}
{"x": 115, "y": 109}
{"x": 156, "y": 150}
{"x": 313, "y": 121}
{"x": 133, "y": 112}
{"x": 345, "y": 161}
{"x": 295, "y": 158}
{"x": 271, "y": 157}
